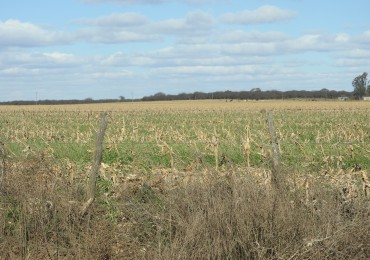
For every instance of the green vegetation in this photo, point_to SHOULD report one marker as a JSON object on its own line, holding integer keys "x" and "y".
{"x": 361, "y": 86}
{"x": 317, "y": 140}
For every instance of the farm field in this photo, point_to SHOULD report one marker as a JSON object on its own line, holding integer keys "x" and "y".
{"x": 200, "y": 105}
{"x": 153, "y": 148}
{"x": 313, "y": 136}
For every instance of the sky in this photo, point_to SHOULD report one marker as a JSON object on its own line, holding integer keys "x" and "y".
{"x": 77, "y": 49}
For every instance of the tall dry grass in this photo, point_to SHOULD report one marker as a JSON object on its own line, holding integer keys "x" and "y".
{"x": 39, "y": 215}
{"x": 211, "y": 217}
{"x": 236, "y": 218}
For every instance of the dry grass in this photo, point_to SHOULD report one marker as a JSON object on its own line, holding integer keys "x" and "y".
{"x": 40, "y": 219}
{"x": 188, "y": 207}
{"x": 232, "y": 214}
{"x": 198, "y": 105}
{"x": 232, "y": 217}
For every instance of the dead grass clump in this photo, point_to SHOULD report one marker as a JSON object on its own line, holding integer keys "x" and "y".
{"x": 231, "y": 219}
{"x": 221, "y": 217}
{"x": 235, "y": 218}
{"x": 39, "y": 216}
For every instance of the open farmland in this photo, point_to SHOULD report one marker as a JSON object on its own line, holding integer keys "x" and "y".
{"x": 313, "y": 136}
{"x": 153, "y": 149}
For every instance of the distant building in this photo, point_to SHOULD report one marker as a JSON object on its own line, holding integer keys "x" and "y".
{"x": 367, "y": 98}
{"x": 343, "y": 98}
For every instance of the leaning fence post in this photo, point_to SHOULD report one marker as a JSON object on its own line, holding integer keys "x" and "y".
{"x": 96, "y": 164}
{"x": 2, "y": 163}
{"x": 275, "y": 178}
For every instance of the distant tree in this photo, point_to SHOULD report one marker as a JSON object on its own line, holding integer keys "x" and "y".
{"x": 156, "y": 97}
{"x": 255, "y": 90}
{"x": 324, "y": 92}
{"x": 159, "y": 94}
{"x": 360, "y": 85}
{"x": 121, "y": 98}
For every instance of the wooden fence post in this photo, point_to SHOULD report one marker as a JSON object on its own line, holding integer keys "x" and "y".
{"x": 2, "y": 163}
{"x": 96, "y": 164}
{"x": 275, "y": 176}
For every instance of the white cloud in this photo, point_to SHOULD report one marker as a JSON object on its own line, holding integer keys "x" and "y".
{"x": 39, "y": 60}
{"x": 117, "y": 28}
{"x": 51, "y": 66}
{"x": 112, "y": 75}
{"x": 352, "y": 63}
{"x": 100, "y": 35}
{"x": 252, "y": 48}
{"x": 246, "y": 44}
{"x": 124, "y": 60}
{"x": 134, "y": 27}
{"x": 364, "y": 37}
{"x": 316, "y": 42}
{"x": 117, "y": 20}
{"x": 127, "y": 2}
{"x": 239, "y": 36}
{"x": 14, "y": 33}
{"x": 356, "y": 54}
{"x": 342, "y": 38}
{"x": 233, "y": 48}
{"x": 263, "y": 14}
{"x": 60, "y": 57}
{"x": 205, "y": 70}
{"x": 193, "y": 23}
{"x": 18, "y": 71}
{"x": 353, "y": 58}
{"x": 196, "y": 2}
{"x": 306, "y": 42}
{"x": 140, "y": 2}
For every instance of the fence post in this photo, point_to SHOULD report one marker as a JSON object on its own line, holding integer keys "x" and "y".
{"x": 2, "y": 163}
{"x": 275, "y": 178}
{"x": 96, "y": 164}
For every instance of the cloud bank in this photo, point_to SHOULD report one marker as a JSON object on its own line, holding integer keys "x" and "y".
{"x": 129, "y": 51}
{"x": 263, "y": 14}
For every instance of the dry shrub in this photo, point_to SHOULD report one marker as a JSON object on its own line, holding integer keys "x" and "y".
{"x": 234, "y": 217}
{"x": 39, "y": 217}
{"x": 222, "y": 217}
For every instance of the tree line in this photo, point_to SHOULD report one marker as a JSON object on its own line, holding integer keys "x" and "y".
{"x": 360, "y": 84}
{"x": 361, "y": 88}
{"x": 59, "y": 102}
{"x": 254, "y": 94}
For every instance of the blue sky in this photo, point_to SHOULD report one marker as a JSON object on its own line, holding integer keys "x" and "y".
{"x": 76, "y": 49}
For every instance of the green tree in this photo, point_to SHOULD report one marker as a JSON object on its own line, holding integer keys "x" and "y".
{"x": 360, "y": 86}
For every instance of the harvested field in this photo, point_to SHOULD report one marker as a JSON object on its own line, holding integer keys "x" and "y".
{"x": 200, "y": 105}
{"x": 187, "y": 179}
